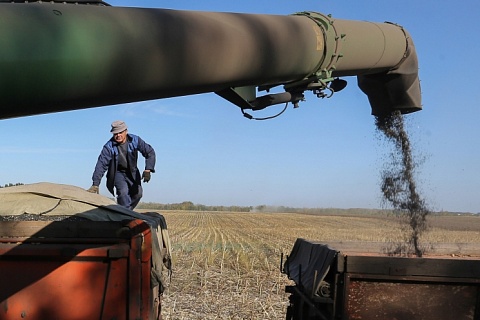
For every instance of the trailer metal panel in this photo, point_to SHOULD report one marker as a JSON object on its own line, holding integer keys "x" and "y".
{"x": 369, "y": 286}
{"x": 104, "y": 273}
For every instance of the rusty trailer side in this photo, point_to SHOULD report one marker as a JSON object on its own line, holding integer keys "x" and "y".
{"x": 77, "y": 270}
{"x": 356, "y": 286}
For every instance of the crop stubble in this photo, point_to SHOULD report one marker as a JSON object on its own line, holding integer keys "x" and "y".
{"x": 226, "y": 265}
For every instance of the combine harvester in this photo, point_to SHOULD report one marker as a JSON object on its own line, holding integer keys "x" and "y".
{"x": 100, "y": 261}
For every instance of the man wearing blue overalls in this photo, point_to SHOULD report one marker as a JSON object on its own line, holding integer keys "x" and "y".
{"x": 119, "y": 156}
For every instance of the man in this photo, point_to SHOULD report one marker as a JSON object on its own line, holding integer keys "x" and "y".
{"x": 119, "y": 156}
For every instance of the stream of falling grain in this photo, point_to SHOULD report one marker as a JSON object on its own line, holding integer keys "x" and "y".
{"x": 398, "y": 184}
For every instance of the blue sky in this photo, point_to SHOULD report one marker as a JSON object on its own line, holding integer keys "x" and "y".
{"x": 324, "y": 154}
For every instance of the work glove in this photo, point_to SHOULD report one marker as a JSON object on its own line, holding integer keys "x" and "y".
{"x": 146, "y": 176}
{"x": 93, "y": 189}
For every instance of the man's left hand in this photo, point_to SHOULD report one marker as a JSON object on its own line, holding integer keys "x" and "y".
{"x": 146, "y": 176}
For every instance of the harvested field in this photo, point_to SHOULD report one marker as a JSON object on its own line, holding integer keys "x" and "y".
{"x": 226, "y": 265}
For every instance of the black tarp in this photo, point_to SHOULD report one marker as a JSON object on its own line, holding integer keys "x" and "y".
{"x": 308, "y": 264}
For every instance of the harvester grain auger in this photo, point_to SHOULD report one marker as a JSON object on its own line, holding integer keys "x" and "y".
{"x": 66, "y": 55}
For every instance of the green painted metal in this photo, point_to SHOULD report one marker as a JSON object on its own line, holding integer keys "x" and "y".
{"x": 57, "y": 57}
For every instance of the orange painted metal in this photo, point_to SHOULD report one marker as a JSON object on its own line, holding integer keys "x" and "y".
{"x": 78, "y": 278}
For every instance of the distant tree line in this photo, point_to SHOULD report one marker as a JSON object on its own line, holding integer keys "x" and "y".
{"x": 317, "y": 211}
{"x": 190, "y": 206}
{"x": 11, "y": 185}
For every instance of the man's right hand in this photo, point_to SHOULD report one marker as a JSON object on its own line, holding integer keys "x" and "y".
{"x": 93, "y": 189}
